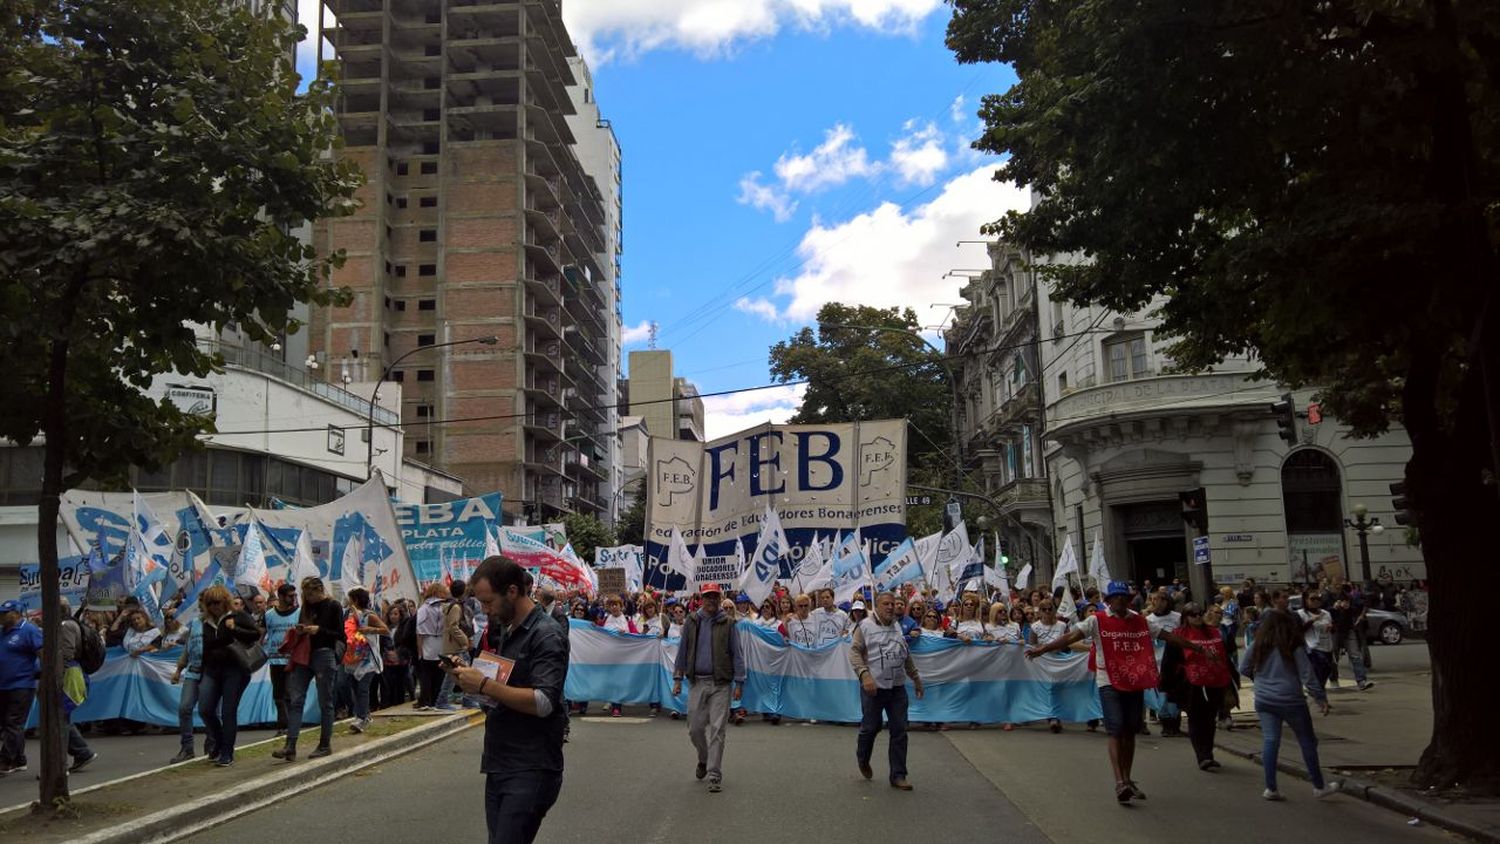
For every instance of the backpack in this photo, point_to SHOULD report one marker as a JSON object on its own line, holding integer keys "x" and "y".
{"x": 406, "y": 635}
{"x": 90, "y": 654}
{"x": 466, "y": 622}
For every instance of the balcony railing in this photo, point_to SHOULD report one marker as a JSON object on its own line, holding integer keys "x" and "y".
{"x": 253, "y": 360}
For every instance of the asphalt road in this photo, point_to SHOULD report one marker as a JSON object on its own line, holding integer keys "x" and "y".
{"x": 631, "y": 779}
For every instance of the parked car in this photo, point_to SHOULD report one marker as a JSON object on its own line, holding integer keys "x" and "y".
{"x": 1383, "y": 626}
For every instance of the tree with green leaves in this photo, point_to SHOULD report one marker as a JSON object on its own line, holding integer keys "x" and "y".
{"x": 631, "y": 526}
{"x": 866, "y": 363}
{"x": 1314, "y": 184}
{"x": 586, "y": 533}
{"x": 155, "y": 159}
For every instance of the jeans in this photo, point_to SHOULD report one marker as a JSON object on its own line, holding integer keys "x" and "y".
{"x": 1203, "y": 719}
{"x": 187, "y": 701}
{"x": 279, "y": 674}
{"x": 1351, "y": 643}
{"x": 359, "y": 688}
{"x": 320, "y": 670}
{"x": 219, "y": 706}
{"x": 708, "y": 714}
{"x": 15, "y": 707}
{"x": 516, "y": 803}
{"x": 1322, "y": 666}
{"x": 1300, "y": 720}
{"x": 893, "y": 703}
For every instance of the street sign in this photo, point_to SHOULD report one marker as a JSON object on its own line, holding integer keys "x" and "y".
{"x": 1239, "y": 537}
{"x": 611, "y": 581}
{"x": 1200, "y": 550}
{"x": 954, "y": 511}
{"x": 918, "y": 500}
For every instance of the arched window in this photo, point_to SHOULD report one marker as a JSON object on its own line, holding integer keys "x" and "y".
{"x": 1312, "y": 498}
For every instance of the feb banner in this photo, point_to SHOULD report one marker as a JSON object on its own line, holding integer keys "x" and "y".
{"x": 448, "y": 538}
{"x": 823, "y": 479}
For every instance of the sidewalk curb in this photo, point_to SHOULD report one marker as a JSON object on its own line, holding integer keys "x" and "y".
{"x": 182, "y": 821}
{"x": 1385, "y": 798}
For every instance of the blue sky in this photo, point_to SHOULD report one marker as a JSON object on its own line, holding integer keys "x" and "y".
{"x": 779, "y": 154}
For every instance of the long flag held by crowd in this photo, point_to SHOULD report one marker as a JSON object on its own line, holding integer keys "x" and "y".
{"x": 534, "y": 554}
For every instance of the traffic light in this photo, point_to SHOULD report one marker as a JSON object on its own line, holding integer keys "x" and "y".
{"x": 1195, "y": 509}
{"x": 1401, "y": 503}
{"x": 1286, "y": 419}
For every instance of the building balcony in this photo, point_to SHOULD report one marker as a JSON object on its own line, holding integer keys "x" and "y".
{"x": 547, "y": 256}
{"x": 545, "y": 292}
{"x": 543, "y": 322}
{"x": 545, "y": 355}
{"x": 1023, "y": 494}
{"x": 545, "y": 426}
{"x": 544, "y": 391}
{"x": 1021, "y": 408}
{"x": 545, "y": 460}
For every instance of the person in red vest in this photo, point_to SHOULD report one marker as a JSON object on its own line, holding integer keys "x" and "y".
{"x": 1126, "y": 662}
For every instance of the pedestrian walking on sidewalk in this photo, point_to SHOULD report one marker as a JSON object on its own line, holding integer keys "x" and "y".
{"x": 882, "y": 662}
{"x": 1317, "y": 632}
{"x": 20, "y": 644}
{"x": 279, "y": 621}
{"x": 189, "y": 674}
{"x": 224, "y": 679}
{"x": 1280, "y": 667}
{"x": 1126, "y": 661}
{"x": 363, "y": 628}
{"x": 1207, "y": 676}
{"x": 322, "y": 623}
{"x": 709, "y": 656}
{"x": 1348, "y": 620}
{"x": 523, "y": 734}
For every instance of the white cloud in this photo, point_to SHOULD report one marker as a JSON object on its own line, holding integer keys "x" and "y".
{"x": 724, "y": 415}
{"x": 957, "y": 111}
{"x": 765, "y": 197}
{"x": 893, "y": 257}
{"x": 634, "y": 335}
{"x": 835, "y": 161}
{"x": 763, "y": 308}
{"x": 919, "y": 157}
{"x": 607, "y": 29}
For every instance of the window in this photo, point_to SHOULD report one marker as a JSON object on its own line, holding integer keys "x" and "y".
{"x": 426, "y": 339}
{"x": 429, "y": 168}
{"x": 1062, "y": 382}
{"x": 432, "y": 83}
{"x": 427, "y": 235}
{"x": 400, "y": 271}
{"x": 432, "y": 50}
{"x": 398, "y": 376}
{"x": 426, "y": 375}
{"x": 401, "y": 203}
{"x": 401, "y": 168}
{"x": 424, "y": 411}
{"x": 426, "y": 269}
{"x": 1127, "y": 357}
{"x": 389, "y": 200}
{"x": 387, "y": 342}
{"x": 388, "y": 299}
{"x": 431, "y": 148}
{"x": 1028, "y": 461}
{"x": 426, "y": 304}
{"x": 427, "y": 202}
{"x": 430, "y": 115}
{"x": 1010, "y": 462}
{"x": 401, "y": 304}
{"x": 422, "y": 446}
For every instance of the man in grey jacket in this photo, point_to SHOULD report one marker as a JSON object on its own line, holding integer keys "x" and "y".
{"x": 882, "y": 662}
{"x": 710, "y": 657}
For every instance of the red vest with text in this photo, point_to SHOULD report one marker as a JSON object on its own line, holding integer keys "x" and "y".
{"x": 1209, "y": 668}
{"x": 1128, "y": 656}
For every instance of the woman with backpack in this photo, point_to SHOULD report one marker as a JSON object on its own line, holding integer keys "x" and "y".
{"x": 362, "y": 663}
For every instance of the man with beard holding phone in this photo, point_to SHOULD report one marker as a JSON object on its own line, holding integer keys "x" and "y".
{"x": 523, "y": 733}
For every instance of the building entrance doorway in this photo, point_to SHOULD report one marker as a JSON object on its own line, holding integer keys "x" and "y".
{"x": 1155, "y": 541}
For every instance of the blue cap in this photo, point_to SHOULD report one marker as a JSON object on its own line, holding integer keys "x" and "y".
{"x": 742, "y": 598}
{"x": 1116, "y": 587}
{"x": 12, "y": 606}
{"x": 938, "y": 605}
{"x": 671, "y": 602}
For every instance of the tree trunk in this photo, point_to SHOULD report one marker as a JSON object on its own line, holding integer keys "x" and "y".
{"x": 54, "y": 774}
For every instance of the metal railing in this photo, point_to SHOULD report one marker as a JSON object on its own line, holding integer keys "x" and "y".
{"x": 254, "y": 360}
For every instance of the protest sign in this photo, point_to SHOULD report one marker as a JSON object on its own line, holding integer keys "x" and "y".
{"x": 612, "y": 581}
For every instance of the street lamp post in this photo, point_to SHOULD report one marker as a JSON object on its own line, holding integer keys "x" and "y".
{"x": 1363, "y": 526}
{"x": 386, "y": 373}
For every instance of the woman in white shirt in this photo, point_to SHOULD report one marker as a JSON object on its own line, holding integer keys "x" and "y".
{"x": 141, "y": 638}
{"x": 970, "y": 626}
{"x": 1044, "y": 631}
{"x": 1317, "y": 630}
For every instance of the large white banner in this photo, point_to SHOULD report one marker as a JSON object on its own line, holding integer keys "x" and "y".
{"x": 823, "y": 479}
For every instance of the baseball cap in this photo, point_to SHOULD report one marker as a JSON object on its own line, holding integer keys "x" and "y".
{"x": 742, "y": 598}
{"x": 710, "y": 589}
{"x": 12, "y": 606}
{"x": 858, "y": 605}
{"x": 1117, "y": 587}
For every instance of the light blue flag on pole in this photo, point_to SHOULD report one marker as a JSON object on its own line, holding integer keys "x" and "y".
{"x": 903, "y": 565}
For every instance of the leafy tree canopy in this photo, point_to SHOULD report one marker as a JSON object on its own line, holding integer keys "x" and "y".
{"x": 586, "y": 532}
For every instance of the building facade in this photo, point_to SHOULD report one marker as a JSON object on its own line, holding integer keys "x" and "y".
{"x": 668, "y": 406}
{"x": 993, "y": 346}
{"x": 1126, "y": 434}
{"x": 478, "y": 220}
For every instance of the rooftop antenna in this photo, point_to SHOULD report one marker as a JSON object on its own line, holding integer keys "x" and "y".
{"x": 651, "y": 336}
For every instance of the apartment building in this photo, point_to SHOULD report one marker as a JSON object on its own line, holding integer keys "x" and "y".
{"x": 993, "y": 343}
{"x": 668, "y": 406}
{"x": 478, "y": 220}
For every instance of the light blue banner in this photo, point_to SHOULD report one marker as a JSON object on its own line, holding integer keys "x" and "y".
{"x": 447, "y": 537}
{"x": 976, "y": 682}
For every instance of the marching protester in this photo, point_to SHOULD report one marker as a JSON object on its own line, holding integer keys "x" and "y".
{"x": 616, "y": 620}
{"x": 362, "y": 663}
{"x": 20, "y": 644}
{"x": 709, "y": 657}
{"x": 279, "y": 621}
{"x": 396, "y": 676}
{"x": 1126, "y": 662}
{"x": 319, "y": 639}
{"x": 1044, "y": 631}
{"x": 1164, "y": 619}
{"x": 882, "y": 662}
{"x": 141, "y": 637}
{"x": 1281, "y": 669}
{"x": 1207, "y": 675}
{"x": 224, "y": 678}
{"x": 800, "y": 628}
{"x": 190, "y": 673}
{"x": 970, "y": 626}
{"x": 75, "y": 685}
{"x": 832, "y": 622}
{"x": 523, "y": 733}
{"x": 1317, "y": 631}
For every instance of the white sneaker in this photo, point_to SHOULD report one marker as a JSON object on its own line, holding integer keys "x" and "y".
{"x": 1271, "y": 794}
{"x": 1327, "y": 790}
